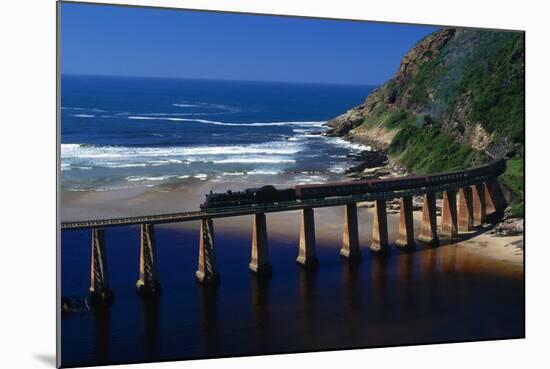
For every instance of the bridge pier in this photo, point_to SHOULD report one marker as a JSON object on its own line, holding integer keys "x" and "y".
{"x": 148, "y": 284}
{"x": 428, "y": 232}
{"x": 259, "y": 262}
{"x": 350, "y": 242}
{"x": 307, "y": 255}
{"x": 99, "y": 277}
{"x": 380, "y": 228}
{"x": 405, "y": 238}
{"x": 449, "y": 215}
{"x": 465, "y": 210}
{"x": 489, "y": 204}
{"x": 494, "y": 196}
{"x": 478, "y": 204}
{"x": 207, "y": 273}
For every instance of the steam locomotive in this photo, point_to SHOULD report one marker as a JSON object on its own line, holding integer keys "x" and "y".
{"x": 269, "y": 194}
{"x": 262, "y": 195}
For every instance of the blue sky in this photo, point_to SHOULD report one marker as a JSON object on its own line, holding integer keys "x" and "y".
{"x": 125, "y": 41}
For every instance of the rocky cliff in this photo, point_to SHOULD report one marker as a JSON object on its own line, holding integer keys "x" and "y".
{"x": 456, "y": 100}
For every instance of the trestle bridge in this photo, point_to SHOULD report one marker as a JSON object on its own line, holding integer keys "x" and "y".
{"x": 468, "y": 198}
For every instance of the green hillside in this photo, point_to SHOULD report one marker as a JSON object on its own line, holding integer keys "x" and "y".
{"x": 457, "y": 100}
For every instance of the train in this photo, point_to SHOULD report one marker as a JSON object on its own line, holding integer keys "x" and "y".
{"x": 271, "y": 195}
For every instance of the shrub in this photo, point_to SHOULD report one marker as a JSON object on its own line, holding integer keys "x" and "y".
{"x": 430, "y": 150}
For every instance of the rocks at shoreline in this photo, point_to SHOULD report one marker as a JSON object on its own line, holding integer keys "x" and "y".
{"x": 508, "y": 227}
{"x": 375, "y": 165}
{"x": 341, "y": 125}
{"x": 369, "y": 160}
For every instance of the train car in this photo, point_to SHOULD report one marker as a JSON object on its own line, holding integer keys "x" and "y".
{"x": 495, "y": 168}
{"x": 250, "y": 196}
{"x": 395, "y": 184}
{"x": 225, "y": 199}
{"x": 357, "y": 187}
{"x": 270, "y": 194}
{"x": 315, "y": 191}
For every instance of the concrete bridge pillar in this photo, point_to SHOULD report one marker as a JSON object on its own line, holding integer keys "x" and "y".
{"x": 449, "y": 215}
{"x": 380, "y": 228}
{"x": 207, "y": 273}
{"x": 428, "y": 232}
{"x": 406, "y": 225}
{"x": 494, "y": 197}
{"x": 148, "y": 283}
{"x": 259, "y": 262}
{"x": 478, "y": 204}
{"x": 489, "y": 204}
{"x": 350, "y": 242}
{"x": 99, "y": 277}
{"x": 465, "y": 210}
{"x": 307, "y": 255}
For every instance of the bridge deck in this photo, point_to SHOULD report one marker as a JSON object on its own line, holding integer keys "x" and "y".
{"x": 264, "y": 208}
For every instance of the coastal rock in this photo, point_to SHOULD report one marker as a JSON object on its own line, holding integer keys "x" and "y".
{"x": 370, "y": 160}
{"x": 509, "y": 227}
{"x": 72, "y": 305}
{"x": 344, "y": 123}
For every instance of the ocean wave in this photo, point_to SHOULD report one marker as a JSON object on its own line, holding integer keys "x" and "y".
{"x": 310, "y": 179}
{"x": 85, "y": 155}
{"x": 233, "y": 173}
{"x": 257, "y": 160}
{"x": 70, "y": 108}
{"x": 263, "y": 172}
{"x": 148, "y": 179}
{"x": 337, "y": 141}
{"x": 95, "y": 151}
{"x": 200, "y": 104}
{"x": 186, "y": 105}
{"x": 124, "y": 165}
{"x": 170, "y": 114}
{"x": 84, "y": 109}
{"x": 84, "y": 115}
{"x": 338, "y": 168}
{"x": 253, "y": 124}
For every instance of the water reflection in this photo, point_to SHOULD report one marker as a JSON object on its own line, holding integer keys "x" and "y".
{"x": 379, "y": 282}
{"x": 151, "y": 325}
{"x": 260, "y": 302}
{"x": 102, "y": 325}
{"x": 208, "y": 306}
{"x": 449, "y": 259}
{"x": 307, "y": 287}
{"x": 351, "y": 284}
{"x": 406, "y": 273}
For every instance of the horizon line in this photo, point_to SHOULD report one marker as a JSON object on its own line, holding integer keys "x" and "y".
{"x": 224, "y": 79}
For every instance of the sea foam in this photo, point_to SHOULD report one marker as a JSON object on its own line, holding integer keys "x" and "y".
{"x": 253, "y": 124}
{"x": 128, "y": 157}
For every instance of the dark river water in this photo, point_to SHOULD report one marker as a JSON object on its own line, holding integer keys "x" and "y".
{"x": 443, "y": 294}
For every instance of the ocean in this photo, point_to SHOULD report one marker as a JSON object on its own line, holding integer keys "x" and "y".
{"x": 119, "y": 132}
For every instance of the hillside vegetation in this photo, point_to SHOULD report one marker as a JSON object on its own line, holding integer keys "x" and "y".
{"x": 456, "y": 101}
